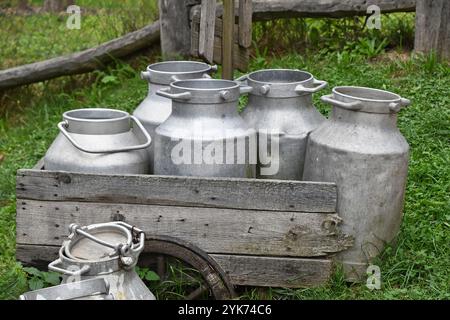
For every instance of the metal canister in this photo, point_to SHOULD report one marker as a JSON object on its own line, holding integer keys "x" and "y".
{"x": 99, "y": 141}
{"x": 154, "y": 109}
{"x": 281, "y": 110}
{"x": 204, "y": 135}
{"x": 107, "y": 251}
{"x": 361, "y": 149}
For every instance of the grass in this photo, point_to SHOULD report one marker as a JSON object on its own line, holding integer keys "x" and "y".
{"x": 417, "y": 267}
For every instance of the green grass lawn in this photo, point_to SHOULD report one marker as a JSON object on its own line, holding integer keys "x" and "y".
{"x": 417, "y": 267}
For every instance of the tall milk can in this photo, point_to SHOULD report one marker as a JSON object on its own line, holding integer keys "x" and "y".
{"x": 99, "y": 141}
{"x": 107, "y": 251}
{"x": 361, "y": 149}
{"x": 204, "y": 135}
{"x": 281, "y": 110}
{"x": 154, "y": 109}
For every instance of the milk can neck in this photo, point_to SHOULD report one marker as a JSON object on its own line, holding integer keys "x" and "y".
{"x": 97, "y": 121}
{"x": 298, "y": 102}
{"x": 381, "y": 120}
{"x": 214, "y": 110}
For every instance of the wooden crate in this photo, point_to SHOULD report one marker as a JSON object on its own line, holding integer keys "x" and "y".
{"x": 261, "y": 232}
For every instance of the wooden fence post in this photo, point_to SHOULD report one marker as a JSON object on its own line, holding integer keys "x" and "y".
{"x": 175, "y": 28}
{"x": 433, "y": 27}
{"x": 227, "y": 39}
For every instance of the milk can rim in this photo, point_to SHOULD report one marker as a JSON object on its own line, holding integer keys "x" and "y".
{"x": 280, "y": 83}
{"x": 337, "y": 93}
{"x": 124, "y": 115}
{"x": 235, "y": 85}
{"x": 206, "y": 68}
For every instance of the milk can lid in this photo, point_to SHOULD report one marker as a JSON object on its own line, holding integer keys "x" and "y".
{"x": 86, "y": 249}
{"x": 99, "y": 242}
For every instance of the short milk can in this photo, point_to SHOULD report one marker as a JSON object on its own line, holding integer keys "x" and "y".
{"x": 107, "y": 251}
{"x": 204, "y": 135}
{"x": 99, "y": 141}
{"x": 281, "y": 110}
{"x": 155, "y": 109}
{"x": 361, "y": 149}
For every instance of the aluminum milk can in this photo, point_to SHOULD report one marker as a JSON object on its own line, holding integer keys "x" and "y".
{"x": 155, "y": 109}
{"x": 281, "y": 110}
{"x": 107, "y": 251}
{"x": 99, "y": 141}
{"x": 361, "y": 149}
{"x": 204, "y": 135}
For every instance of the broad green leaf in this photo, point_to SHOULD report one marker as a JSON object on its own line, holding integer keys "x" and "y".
{"x": 35, "y": 283}
{"x": 151, "y": 276}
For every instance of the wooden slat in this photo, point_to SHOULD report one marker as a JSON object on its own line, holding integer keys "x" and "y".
{"x": 275, "y": 272}
{"x": 243, "y": 270}
{"x": 213, "y": 230}
{"x": 227, "y": 39}
{"x": 174, "y": 26}
{"x": 240, "y": 54}
{"x": 206, "y": 37}
{"x": 245, "y": 23}
{"x": 232, "y": 193}
{"x": 273, "y": 9}
{"x": 432, "y": 33}
{"x": 80, "y": 62}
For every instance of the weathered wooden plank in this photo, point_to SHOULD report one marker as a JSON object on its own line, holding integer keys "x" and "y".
{"x": 175, "y": 28}
{"x": 234, "y": 193}
{"x": 243, "y": 270}
{"x": 206, "y": 36}
{"x": 275, "y": 272}
{"x": 38, "y": 256}
{"x": 227, "y": 39}
{"x": 213, "y": 230}
{"x": 433, "y": 27}
{"x": 80, "y": 62}
{"x": 240, "y": 54}
{"x": 245, "y": 23}
{"x": 273, "y": 9}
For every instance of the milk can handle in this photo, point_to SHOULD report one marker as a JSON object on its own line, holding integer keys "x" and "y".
{"x": 205, "y": 76}
{"x": 129, "y": 252}
{"x": 164, "y": 92}
{"x": 396, "y": 106}
{"x": 53, "y": 267}
{"x": 355, "y": 105}
{"x": 242, "y": 78}
{"x": 302, "y": 89}
{"x": 63, "y": 124}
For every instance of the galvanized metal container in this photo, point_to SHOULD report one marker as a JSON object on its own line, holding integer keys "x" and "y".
{"x": 91, "y": 289}
{"x": 99, "y": 141}
{"x": 107, "y": 251}
{"x": 154, "y": 109}
{"x": 281, "y": 110}
{"x": 361, "y": 149}
{"x": 204, "y": 135}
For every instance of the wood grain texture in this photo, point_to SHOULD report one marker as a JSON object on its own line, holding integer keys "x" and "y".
{"x": 227, "y": 39}
{"x": 175, "y": 28}
{"x": 275, "y": 272}
{"x": 241, "y": 55}
{"x": 80, "y": 62}
{"x": 206, "y": 33}
{"x": 245, "y": 23}
{"x": 228, "y": 231}
{"x": 274, "y": 9}
{"x": 233, "y": 193}
{"x": 243, "y": 270}
{"x": 433, "y": 27}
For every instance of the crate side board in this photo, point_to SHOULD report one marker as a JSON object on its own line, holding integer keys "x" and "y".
{"x": 215, "y": 230}
{"x": 242, "y": 270}
{"x": 233, "y": 193}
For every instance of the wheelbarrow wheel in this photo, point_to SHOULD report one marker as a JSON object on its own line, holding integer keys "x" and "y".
{"x": 160, "y": 250}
